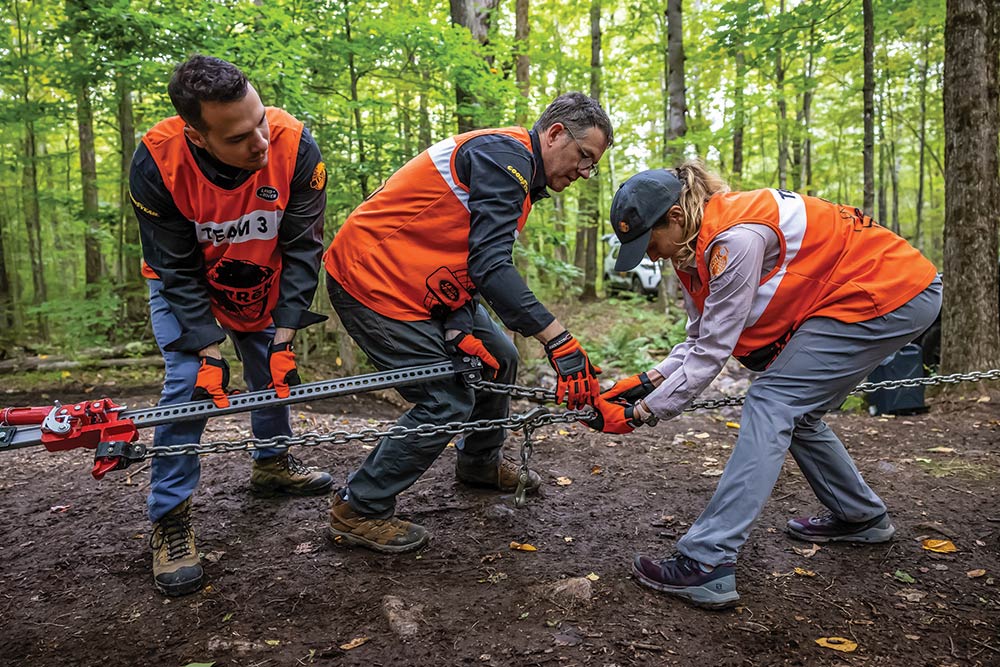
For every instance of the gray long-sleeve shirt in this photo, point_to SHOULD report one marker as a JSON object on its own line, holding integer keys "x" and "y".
{"x": 752, "y": 251}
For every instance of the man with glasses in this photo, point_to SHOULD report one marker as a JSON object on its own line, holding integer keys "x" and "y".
{"x": 405, "y": 274}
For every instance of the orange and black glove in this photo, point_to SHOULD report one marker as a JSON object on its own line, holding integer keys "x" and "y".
{"x": 466, "y": 343}
{"x": 284, "y": 372}
{"x": 631, "y": 389}
{"x": 212, "y": 382}
{"x": 613, "y": 417}
{"x": 577, "y": 377}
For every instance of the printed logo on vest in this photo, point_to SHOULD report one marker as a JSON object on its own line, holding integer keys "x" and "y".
{"x": 240, "y": 287}
{"x": 260, "y": 225}
{"x": 267, "y": 193}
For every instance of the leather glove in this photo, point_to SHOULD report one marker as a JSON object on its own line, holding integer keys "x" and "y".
{"x": 212, "y": 382}
{"x": 577, "y": 377}
{"x": 631, "y": 389}
{"x": 466, "y": 343}
{"x": 613, "y": 417}
{"x": 284, "y": 373}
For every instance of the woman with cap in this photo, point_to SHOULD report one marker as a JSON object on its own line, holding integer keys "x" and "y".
{"x": 813, "y": 295}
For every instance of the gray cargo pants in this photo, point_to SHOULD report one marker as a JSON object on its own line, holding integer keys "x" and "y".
{"x": 823, "y": 361}
{"x": 396, "y": 463}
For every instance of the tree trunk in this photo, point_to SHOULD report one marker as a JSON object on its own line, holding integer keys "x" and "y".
{"x": 677, "y": 126}
{"x": 522, "y": 68}
{"x": 739, "y": 120}
{"x": 474, "y": 15}
{"x": 918, "y": 239}
{"x": 969, "y": 333}
{"x": 869, "y": 107}
{"x": 93, "y": 262}
{"x": 424, "y": 122}
{"x": 356, "y": 105}
{"x": 779, "y": 83}
{"x": 590, "y": 196}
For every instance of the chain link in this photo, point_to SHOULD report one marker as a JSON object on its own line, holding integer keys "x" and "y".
{"x": 527, "y": 422}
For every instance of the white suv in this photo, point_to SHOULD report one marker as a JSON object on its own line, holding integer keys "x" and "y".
{"x": 643, "y": 279}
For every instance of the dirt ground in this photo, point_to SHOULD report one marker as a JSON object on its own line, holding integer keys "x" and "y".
{"x": 76, "y": 589}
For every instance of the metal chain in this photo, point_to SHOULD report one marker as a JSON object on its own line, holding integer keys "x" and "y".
{"x": 527, "y": 422}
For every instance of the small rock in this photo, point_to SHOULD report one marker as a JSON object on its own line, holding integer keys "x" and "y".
{"x": 403, "y": 621}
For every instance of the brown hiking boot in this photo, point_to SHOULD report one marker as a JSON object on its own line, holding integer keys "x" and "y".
{"x": 176, "y": 567}
{"x": 286, "y": 474}
{"x": 390, "y": 535}
{"x": 504, "y": 476}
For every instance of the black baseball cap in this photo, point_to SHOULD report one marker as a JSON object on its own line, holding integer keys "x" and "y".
{"x": 641, "y": 202}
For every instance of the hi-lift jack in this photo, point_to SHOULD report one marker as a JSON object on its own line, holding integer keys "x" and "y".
{"x": 92, "y": 424}
{"x": 112, "y": 430}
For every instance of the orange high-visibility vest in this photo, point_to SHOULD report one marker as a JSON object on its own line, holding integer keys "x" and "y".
{"x": 237, "y": 229}
{"x": 404, "y": 252}
{"x": 835, "y": 262}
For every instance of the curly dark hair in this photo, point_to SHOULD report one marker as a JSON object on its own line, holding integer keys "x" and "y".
{"x": 579, "y": 113}
{"x": 204, "y": 79}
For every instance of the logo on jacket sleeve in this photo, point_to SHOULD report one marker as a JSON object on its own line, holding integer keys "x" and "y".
{"x": 718, "y": 261}
{"x": 623, "y": 227}
{"x": 518, "y": 176}
{"x": 267, "y": 193}
{"x": 318, "y": 180}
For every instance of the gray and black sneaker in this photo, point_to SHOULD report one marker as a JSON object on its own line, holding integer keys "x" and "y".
{"x": 828, "y": 528}
{"x": 684, "y": 577}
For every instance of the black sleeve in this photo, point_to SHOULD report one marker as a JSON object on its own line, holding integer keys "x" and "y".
{"x": 170, "y": 247}
{"x": 496, "y": 199}
{"x": 301, "y": 239}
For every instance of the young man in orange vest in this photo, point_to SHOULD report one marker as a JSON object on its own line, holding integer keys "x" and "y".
{"x": 405, "y": 273}
{"x": 230, "y": 197}
{"x": 812, "y": 294}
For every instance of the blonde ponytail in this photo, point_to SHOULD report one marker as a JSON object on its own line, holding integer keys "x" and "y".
{"x": 699, "y": 184}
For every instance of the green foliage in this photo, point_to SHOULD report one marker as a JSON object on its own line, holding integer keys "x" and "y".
{"x": 81, "y": 323}
{"x": 640, "y": 338}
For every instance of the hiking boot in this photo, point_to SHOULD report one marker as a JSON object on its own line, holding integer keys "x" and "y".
{"x": 176, "y": 567}
{"x": 828, "y": 528}
{"x": 685, "y": 578}
{"x": 391, "y": 536}
{"x": 504, "y": 476}
{"x": 286, "y": 474}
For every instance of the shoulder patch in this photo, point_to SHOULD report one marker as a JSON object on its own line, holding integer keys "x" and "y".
{"x": 318, "y": 180}
{"x": 518, "y": 176}
{"x": 142, "y": 207}
{"x": 718, "y": 261}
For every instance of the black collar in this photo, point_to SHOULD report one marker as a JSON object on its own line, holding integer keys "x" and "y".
{"x": 538, "y": 183}
{"x": 218, "y": 173}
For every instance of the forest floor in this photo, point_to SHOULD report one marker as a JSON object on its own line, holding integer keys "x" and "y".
{"x": 76, "y": 588}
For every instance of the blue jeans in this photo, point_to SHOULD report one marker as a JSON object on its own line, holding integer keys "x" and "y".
{"x": 173, "y": 478}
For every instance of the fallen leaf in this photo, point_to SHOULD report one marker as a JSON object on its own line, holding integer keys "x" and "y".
{"x": 562, "y": 431}
{"x": 702, "y": 436}
{"x": 517, "y": 546}
{"x": 272, "y": 642}
{"x": 804, "y": 573}
{"x": 837, "y": 644}
{"x": 354, "y": 643}
{"x": 807, "y": 553}
{"x": 563, "y": 481}
{"x": 939, "y": 546}
{"x": 596, "y": 470}
{"x": 200, "y": 664}
{"x": 983, "y": 399}
{"x": 712, "y": 472}
{"x": 228, "y": 617}
{"x": 912, "y": 637}
{"x": 975, "y": 574}
{"x": 568, "y": 539}
{"x": 911, "y": 595}
{"x": 904, "y": 577}
{"x": 305, "y": 548}
{"x": 66, "y": 374}
{"x": 59, "y": 508}
{"x": 732, "y": 424}
{"x": 942, "y": 450}
{"x": 593, "y": 577}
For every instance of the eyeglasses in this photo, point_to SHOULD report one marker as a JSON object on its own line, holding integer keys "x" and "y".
{"x": 586, "y": 163}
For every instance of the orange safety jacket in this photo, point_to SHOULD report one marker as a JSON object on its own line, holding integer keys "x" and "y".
{"x": 834, "y": 262}
{"x": 404, "y": 251}
{"x": 238, "y": 228}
